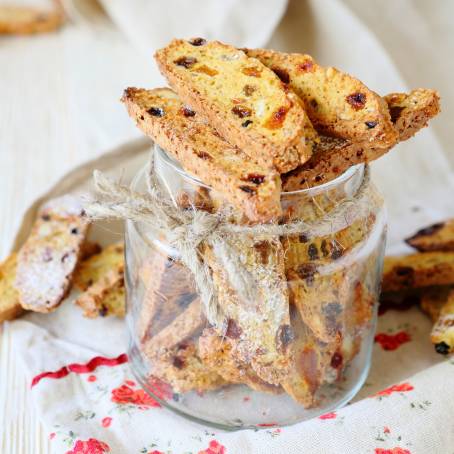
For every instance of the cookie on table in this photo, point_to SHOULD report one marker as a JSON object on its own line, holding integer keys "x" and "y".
{"x": 436, "y": 237}
{"x": 10, "y": 307}
{"x": 333, "y": 156}
{"x": 47, "y": 260}
{"x": 254, "y": 189}
{"x": 432, "y": 299}
{"x": 25, "y": 20}
{"x": 106, "y": 296}
{"x": 311, "y": 364}
{"x": 219, "y": 353}
{"x": 338, "y": 104}
{"x": 442, "y": 334}
{"x": 243, "y": 99}
{"x": 418, "y": 270}
{"x": 97, "y": 265}
{"x": 101, "y": 278}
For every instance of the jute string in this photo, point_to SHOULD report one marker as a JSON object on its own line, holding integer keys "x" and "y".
{"x": 190, "y": 231}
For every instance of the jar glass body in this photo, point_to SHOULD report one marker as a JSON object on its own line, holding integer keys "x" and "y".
{"x": 301, "y": 349}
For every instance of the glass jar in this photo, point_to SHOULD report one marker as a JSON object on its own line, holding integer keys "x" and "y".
{"x": 301, "y": 349}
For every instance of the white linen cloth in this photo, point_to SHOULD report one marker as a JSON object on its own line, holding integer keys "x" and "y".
{"x": 77, "y": 116}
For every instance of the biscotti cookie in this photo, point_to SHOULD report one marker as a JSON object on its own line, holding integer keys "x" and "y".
{"x": 219, "y": 353}
{"x": 106, "y": 296}
{"x": 47, "y": 260}
{"x": 418, "y": 270}
{"x": 436, "y": 237}
{"x": 184, "y": 326}
{"x": 24, "y": 20}
{"x": 168, "y": 289}
{"x": 411, "y": 112}
{"x": 10, "y": 307}
{"x": 311, "y": 364}
{"x": 184, "y": 371}
{"x": 262, "y": 327}
{"x": 244, "y": 101}
{"x": 96, "y": 266}
{"x": 332, "y": 156}
{"x": 251, "y": 188}
{"x": 432, "y": 299}
{"x": 337, "y": 104}
{"x": 442, "y": 335}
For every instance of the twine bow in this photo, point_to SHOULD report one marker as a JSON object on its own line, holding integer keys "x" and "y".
{"x": 190, "y": 231}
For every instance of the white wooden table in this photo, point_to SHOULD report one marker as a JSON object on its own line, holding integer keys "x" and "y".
{"x": 59, "y": 107}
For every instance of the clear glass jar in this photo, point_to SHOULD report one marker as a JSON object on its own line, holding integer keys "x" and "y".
{"x": 302, "y": 350}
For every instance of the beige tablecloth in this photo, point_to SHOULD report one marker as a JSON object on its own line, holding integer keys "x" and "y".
{"x": 60, "y": 107}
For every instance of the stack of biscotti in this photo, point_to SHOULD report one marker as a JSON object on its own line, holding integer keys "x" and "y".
{"x": 251, "y": 124}
{"x": 427, "y": 277}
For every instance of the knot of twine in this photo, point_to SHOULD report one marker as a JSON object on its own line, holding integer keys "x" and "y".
{"x": 190, "y": 231}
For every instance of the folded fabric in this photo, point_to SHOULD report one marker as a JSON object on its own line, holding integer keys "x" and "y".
{"x": 89, "y": 402}
{"x": 151, "y": 25}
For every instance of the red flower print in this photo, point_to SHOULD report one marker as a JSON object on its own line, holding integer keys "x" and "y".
{"x": 392, "y": 451}
{"x": 331, "y": 415}
{"x": 155, "y": 452}
{"x": 130, "y": 383}
{"x": 106, "y": 421}
{"x": 214, "y": 448}
{"x": 126, "y": 395}
{"x": 91, "y": 446}
{"x": 386, "y": 430}
{"x": 392, "y": 341}
{"x": 52, "y": 436}
{"x": 267, "y": 424}
{"x": 91, "y": 378}
{"x": 400, "y": 388}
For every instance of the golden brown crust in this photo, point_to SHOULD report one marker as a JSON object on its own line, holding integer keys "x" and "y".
{"x": 242, "y": 99}
{"x": 418, "y": 270}
{"x": 338, "y": 104}
{"x": 436, "y": 237}
{"x": 23, "y": 20}
{"x": 252, "y": 188}
{"x": 47, "y": 260}
{"x": 331, "y": 157}
{"x": 10, "y": 307}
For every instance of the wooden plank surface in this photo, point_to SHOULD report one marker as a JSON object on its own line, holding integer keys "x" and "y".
{"x": 59, "y": 107}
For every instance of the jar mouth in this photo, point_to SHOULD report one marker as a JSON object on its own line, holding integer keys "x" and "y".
{"x": 172, "y": 162}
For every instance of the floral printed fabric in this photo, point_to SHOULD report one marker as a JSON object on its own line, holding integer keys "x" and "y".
{"x": 95, "y": 406}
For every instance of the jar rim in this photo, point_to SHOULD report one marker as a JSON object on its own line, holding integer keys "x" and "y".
{"x": 349, "y": 173}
